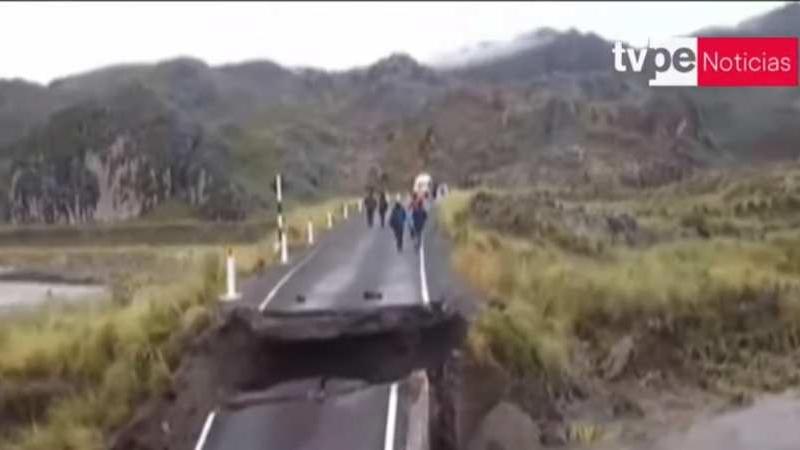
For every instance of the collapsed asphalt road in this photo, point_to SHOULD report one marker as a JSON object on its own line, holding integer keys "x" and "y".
{"x": 246, "y": 382}
{"x": 346, "y": 336}
{"x": 336, "y": 414}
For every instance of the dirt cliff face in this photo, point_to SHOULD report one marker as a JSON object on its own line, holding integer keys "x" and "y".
{"x": 555, "y": 132}
{"x": 116, "y": 183}
{"x": 104, "y": 162}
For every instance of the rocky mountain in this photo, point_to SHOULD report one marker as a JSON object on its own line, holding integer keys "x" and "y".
{"x": 116, "y": 159}
{"x": 122, "y": 141}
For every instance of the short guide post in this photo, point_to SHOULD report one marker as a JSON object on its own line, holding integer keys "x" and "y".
{"x": 284, "y": 250}
{"x": 231, "y": 294}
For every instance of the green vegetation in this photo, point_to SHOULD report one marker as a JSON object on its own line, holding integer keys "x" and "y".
{"x": 105, "y": 360}
{"x": 695, "y": 275}
{"x": 70, "y": 376}
{"x": 151, "y": 232}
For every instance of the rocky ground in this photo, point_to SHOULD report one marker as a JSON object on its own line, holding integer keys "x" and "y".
{"x": 641, "y": 395}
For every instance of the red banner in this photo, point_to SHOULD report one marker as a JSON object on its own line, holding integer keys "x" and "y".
{"x": 752, "y": 61}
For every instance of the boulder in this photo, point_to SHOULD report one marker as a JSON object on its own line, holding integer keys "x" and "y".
{"x": 617, "y": 360}
{"x": 506, "y": 427}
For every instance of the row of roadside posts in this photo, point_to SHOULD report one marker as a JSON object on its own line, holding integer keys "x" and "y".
{"x": 280, "y": 245}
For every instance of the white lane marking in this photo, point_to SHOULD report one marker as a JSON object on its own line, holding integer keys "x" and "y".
{"x": 285, "y": 278}
{"x": 391, "y": 418}
{"x": 423, "y": 278}
{"x": 206, "y": 429}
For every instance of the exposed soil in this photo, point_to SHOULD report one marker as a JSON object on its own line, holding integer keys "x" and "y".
{"x": 630, "y": 387}
{"x": 641, "y": 386}
{"x": 629, "y": 392}
{"x": 230, "y": 359}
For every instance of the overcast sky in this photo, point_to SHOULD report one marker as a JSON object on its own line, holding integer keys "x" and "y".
{"x": 42, "y": 41}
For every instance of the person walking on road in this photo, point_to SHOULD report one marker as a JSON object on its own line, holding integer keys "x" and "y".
{"x": 369, "y": 204}
{"x": 397, "y": 221}
{"x": 383, "y": 206}
{"x": 418, "y": 218}
{"x": 411, "y": 203}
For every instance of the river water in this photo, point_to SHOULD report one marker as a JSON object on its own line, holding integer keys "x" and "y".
{"x": 26, "y": 293}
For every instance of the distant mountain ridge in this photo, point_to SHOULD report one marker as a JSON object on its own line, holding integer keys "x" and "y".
{"x": 118, "y": 142}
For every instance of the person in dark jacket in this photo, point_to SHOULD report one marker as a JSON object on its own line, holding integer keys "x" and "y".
{"x": 397, "y": 221}
{"x": 369, "y": 204}
{"x": 410, "y": 210}
{"x": 418, "y": 218}
{"x": 383, "y": 206}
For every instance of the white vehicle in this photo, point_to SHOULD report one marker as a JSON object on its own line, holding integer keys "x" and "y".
{"x": 423, "y": 185}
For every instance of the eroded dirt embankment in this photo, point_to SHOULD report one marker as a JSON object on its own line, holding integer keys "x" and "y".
{"x": 231, "y": 358}
{"x": 613, "y": 322}
{"x": 630, "y": 385}
{"x": 641, "y": 383}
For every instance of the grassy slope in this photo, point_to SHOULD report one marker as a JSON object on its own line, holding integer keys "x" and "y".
{"x": 107, "y": 359}
{"x": 549, "y": 291}
{"x": 78, "y": 374}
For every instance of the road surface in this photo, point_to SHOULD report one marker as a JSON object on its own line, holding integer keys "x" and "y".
{"x": 353, "y": 416}
{"x": 349, "y": 261}
{"x": 354, "y": 281}
{"x": 353, "y": 269}
{"x": 355, "y": 261}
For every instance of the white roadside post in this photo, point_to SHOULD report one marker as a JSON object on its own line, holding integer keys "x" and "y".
{"x": 330, "y": 220}
{"x": 281, "y": 244}
{"x": 280, "y": 231}
{"x": 279, "y": 207}
{"x": 360, "y": 205}
{"x": 231, "y": 278}
{"x": 310, "y": 232}
{"x": 284, "y": 249}
{"x": 344, "y": 212}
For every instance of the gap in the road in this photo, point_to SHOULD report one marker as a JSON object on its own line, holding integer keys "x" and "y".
{"x": 374, "y": 359}
{"x": 232, "y": 360}
{"x": 379, "y": 358}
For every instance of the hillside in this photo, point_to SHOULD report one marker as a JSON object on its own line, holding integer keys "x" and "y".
{"x": 547, "y": 108}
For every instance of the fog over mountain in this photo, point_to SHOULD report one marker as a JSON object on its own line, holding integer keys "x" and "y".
{"x": 487, "y": 51}
{"x": 126, "y": 141}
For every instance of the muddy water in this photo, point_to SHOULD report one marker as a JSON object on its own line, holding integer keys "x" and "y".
{"x": 771, "y": 423}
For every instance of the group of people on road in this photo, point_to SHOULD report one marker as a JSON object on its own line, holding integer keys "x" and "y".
{"x": 382, "y": 205}
{"x": 415, "y": 215}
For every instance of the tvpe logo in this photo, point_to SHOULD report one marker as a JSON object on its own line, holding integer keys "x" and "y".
{"x": 714, "y": 62}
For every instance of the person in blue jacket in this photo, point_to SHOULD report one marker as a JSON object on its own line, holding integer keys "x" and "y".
{"x": 418, "y": 218}
{"x": 397, "y": 221}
